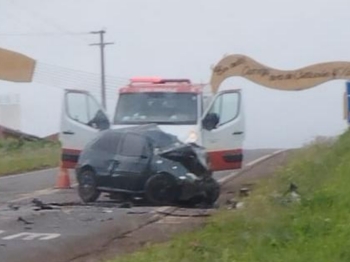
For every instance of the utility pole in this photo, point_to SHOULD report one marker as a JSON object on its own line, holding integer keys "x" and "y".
{"x": 102, "y": 45}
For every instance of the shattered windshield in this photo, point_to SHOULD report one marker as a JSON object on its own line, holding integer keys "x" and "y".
{"x": 159, "y": 108}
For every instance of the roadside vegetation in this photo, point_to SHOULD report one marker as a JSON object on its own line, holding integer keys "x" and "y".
{"x": 273, "y": 226}
{"x": 17, "y": 156}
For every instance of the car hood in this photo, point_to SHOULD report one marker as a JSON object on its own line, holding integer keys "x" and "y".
{"x": 193, "y": 157}
{"x": 182, "y": 132}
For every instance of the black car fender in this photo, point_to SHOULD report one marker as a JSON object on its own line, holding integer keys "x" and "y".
{"x": 170, "y": 167}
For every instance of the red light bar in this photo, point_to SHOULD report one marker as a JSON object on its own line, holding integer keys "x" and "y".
{"x": 157, "y": 80}
{"x": 145, "y": 80}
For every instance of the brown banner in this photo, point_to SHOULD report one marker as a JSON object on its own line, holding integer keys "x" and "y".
{"x": 16, "y": 67}
{"x": 300, "y": 79}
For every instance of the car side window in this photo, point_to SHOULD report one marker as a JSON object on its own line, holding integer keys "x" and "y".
{"x": 108, "y": 143}
{"x": 134, "y": 146}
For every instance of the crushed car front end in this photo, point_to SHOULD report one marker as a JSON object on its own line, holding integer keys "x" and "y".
{"x": 191, "y": 167}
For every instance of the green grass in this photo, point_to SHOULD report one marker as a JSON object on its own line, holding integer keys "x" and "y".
{"x": 271, "y": 229}
{"x": 21, "y": 156}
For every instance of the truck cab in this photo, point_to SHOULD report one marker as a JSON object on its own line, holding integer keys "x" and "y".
{"x": 179, "y": 107}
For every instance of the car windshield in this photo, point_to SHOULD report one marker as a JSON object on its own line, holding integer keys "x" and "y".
{"x": 157, "y": 107}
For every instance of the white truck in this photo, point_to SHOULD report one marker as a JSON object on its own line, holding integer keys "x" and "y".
{"x": 177, "y": 106}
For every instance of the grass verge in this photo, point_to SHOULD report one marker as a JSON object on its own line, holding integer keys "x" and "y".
{"x": 271, "y": 227}
{"x": 18, "y": 156}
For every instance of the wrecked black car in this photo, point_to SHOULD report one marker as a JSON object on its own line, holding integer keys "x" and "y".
{"x": 148, "y": 163}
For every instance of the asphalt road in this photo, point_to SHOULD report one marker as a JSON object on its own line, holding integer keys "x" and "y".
{"x": 70, "y": 230}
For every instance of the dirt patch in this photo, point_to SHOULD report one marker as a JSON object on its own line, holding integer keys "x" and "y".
{"x": 185, "y": 220}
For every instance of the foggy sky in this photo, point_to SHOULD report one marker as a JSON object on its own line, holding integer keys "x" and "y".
{"x": 183, "y": 39}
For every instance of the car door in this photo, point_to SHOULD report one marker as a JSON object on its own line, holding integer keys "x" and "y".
{"x": 132, "y": 163}
{"x": 223, "y": 130}
{"x": 81, "y": 119}
{"x": 102, "y": 156}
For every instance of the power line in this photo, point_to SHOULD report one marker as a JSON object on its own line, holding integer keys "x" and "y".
{"x": 62, "y": 77}
{"x": 45, "y": 66}
{"x": 50, "y": 22}
{"x": 77, "y": 81}
{"x": 43, "y": 34}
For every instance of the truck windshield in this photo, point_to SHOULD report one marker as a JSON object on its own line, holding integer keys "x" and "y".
{"x": 157, "y": 107}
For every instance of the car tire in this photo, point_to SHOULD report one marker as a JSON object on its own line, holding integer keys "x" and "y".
{"x": 212, "y": 192}
{"x": 87, "y": 187}
{"x": 161, "y": 189}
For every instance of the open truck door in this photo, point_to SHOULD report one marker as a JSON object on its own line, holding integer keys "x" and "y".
{"x": 223, "y": 130}
{"x": 82, "y": 118}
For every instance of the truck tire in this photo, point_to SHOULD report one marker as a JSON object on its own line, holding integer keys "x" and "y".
{"x": 87, "y": 187}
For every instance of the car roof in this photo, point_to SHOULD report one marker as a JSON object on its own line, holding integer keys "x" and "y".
{"x": 151, "y": 132}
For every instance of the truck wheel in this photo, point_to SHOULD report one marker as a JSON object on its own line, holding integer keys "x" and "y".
{"x": 87, "y": 188}
{"x": 161, "y": 189}
{"x": 212, "y": 192}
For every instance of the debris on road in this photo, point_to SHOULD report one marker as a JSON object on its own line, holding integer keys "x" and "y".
{"x": 42, "y": 206}
{"x": 290, "y": 196}
{"x": 244, "y": 192}
{"x": 24, "y": 221}
{"x": 137, "y": 212}
{"x": 13, "y": 207}
{"x": 292, "y": 193}
{"x": 233, "y": 204}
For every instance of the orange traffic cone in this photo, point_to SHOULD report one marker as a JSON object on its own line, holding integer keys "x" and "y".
{"x": 63, "y": 180}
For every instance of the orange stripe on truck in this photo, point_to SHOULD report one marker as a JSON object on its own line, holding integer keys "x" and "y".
{"x": 226, "y": 159}
{"x": 70, "y": 157}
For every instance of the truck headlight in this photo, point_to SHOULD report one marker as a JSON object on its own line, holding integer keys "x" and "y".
{"x": 192, "y": 137}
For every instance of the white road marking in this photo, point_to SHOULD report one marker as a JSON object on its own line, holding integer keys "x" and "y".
{"x": 264, "y": 157}
{"x": 250, "y": 164}
{"x": 32, "y": 236}
{"x": 225, "y": 178}
{"x": 1, "y": 231}
{"x": 258, "y": 160}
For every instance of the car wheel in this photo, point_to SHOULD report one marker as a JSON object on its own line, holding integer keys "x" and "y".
{"x": 87, "y": 188}
{"x": 212, "y": 192}
{"x": 161, "y": 189}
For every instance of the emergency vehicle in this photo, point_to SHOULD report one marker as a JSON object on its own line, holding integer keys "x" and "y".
{"x": 179, "y": 107}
